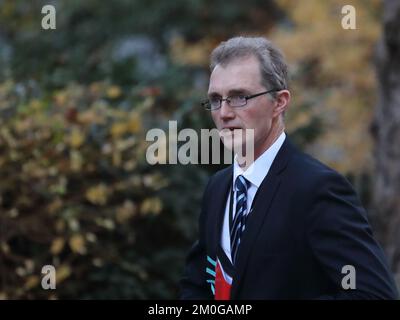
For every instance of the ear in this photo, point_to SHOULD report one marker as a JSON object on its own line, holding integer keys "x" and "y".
{"x": 281, "y": 102}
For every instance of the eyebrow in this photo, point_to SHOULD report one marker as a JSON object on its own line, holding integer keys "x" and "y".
{"x": 230, "y": 92}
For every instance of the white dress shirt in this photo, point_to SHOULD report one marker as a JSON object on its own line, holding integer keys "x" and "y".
{"x": 255, "y": 174}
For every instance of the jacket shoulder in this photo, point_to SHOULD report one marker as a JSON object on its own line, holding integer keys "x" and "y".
{"x": 311, "y": 172}
{"x": 220, "y": 176}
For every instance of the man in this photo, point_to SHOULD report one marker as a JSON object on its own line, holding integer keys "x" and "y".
{"x": 289, "y": 228}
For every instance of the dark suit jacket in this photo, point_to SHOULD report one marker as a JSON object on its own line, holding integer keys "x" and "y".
{"x": 307, "y": 224}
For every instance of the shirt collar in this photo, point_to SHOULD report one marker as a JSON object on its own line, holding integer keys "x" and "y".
{"x": 258, "y": 170}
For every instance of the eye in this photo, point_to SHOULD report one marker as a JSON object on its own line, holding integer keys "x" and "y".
{"x": 239, "y": 97}
{"x": 215, "y": 99}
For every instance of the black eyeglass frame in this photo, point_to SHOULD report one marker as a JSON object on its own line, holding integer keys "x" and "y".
{"x": 207, "y": 104}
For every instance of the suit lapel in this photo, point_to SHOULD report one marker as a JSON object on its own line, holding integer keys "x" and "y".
{"x": 220, "y": 195}
{"x": 262, "y": 202}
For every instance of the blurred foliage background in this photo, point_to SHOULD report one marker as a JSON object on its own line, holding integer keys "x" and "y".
{"x": 76, "y": 103}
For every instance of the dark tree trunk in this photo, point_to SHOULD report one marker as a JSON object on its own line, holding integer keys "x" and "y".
{"x": 386, "y": 131}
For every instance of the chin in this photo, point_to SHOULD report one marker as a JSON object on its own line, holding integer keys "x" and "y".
{"x": 232, "y": 141}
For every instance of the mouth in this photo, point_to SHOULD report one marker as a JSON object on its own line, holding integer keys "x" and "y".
{"x": 231, "y": 128}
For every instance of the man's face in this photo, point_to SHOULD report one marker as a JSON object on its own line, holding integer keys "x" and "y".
{"x": 242, "y": 76}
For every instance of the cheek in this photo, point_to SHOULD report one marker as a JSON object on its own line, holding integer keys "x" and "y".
{"x": 253, "y": 119}
{"x": 214, "y": 116}
{"x": 260, "y": 122}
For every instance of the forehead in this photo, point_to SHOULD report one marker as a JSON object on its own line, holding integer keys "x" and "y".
{"x": 243, "y": 73}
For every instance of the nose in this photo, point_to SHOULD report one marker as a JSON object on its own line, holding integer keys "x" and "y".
{"x": 226, "y": 112}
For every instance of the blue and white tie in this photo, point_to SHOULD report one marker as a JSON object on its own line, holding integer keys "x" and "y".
{"x": 239, "y": 220}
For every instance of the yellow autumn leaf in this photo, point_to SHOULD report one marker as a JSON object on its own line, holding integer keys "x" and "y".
{"x": 155, "y": 181}
{"x": 76, "y": 160}
{"x": 77, "y": 244}
{"x": 98, "y": 194}
{"x": 60, "y": 98}
{"x": 57, "y": 245}
{"x": 23, "y": 125}
{"x": 151, "y": 206}
{"x": 130, "y": 165}
{"x": 122, "y": 145}
{"x": 126, "y": 211}
{"x": 190, "y": 53}
{"x": 76, "y": 138}
{"x": 5, "y": 247}
{"x": 105, "y": 223}
{"x": 91, "y": 237}
{"x": 96, "y": 88}
{"x": 62, "y": 273}
{"x": 134, "y": 124}
{"x": 114, "y": 92}
{"x": 118, "y": 129}
{"x": 90, "y": 117}
{"x": 35, "y": 104}
{"x": 299, "y": 120}
{"x": 31, "y": 282}
{"x": 108, "y": 224}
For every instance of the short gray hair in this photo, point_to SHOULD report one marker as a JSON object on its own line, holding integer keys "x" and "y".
{"x": 273, "y": 67}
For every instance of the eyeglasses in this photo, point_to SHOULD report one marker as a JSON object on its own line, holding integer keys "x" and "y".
{"x": 235, "y": 101}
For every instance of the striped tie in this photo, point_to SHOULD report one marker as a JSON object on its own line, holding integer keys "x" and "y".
{"x": 238, "y": 225}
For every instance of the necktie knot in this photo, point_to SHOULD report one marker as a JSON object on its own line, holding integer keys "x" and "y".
{"x": 241, "y": 184}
